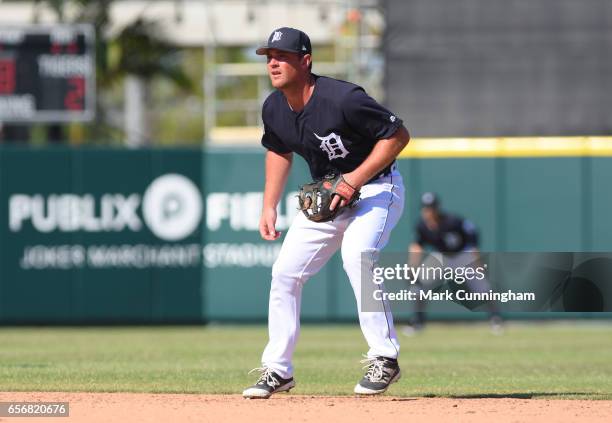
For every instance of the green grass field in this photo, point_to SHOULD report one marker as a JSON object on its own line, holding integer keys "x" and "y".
{"x": 557, "y": 360}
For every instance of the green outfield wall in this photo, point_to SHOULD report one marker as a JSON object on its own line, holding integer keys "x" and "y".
{"x": 170, "y": 236}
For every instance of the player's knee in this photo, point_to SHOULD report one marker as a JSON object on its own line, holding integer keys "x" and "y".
{"x": 283, "y": 272}
{"x": 278, "y": 269}
{"x": 356, "y": 258}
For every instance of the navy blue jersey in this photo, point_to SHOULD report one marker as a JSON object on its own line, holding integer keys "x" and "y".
{"x": 335, "y": 131}
{"x": 453, "y": 234}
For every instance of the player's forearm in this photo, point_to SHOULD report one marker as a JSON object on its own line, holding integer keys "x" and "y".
{"x": 383, "y": 154}
{"x": 277, "y": 171}
{"x": 416, "y": 254}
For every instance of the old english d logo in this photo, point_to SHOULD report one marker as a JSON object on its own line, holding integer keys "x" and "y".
{"x": 276, "y": 36}
{"x": 332, "y": 145}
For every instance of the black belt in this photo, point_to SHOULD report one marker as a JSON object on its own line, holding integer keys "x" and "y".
{"x": 385, "y": 172}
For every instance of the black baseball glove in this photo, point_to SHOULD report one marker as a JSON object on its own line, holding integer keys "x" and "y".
{"x": 315, "y": 198}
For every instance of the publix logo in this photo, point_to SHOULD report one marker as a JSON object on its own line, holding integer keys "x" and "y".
{"x": 171, "y": 207}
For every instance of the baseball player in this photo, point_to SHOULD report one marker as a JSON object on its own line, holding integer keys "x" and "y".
{"x": 457, "y": 239}
{"x": 338, "y": 129}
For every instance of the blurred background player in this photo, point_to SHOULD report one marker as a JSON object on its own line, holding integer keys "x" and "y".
{"x": 457, "y": 238}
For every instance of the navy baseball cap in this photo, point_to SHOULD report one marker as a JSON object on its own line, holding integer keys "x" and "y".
{"x": 430, "y": 199}
{"x": 287, "y": 39}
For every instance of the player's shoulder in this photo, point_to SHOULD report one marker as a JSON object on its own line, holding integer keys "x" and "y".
{"x": 458, "y": 221}
{"x": 336, "y": 90}
{"x": 272, "y": 106}
{"x": 337, "y": 84}
{"x": 452, "y": 219}
{"x": 273, "y": 100}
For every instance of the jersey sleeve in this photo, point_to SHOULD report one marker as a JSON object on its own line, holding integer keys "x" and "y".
{"x": 269, "y": 139}
{"x": 367, "y": 117}
{"x": 470, "y": 233}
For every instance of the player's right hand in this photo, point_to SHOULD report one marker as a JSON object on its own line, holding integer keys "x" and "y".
{"x": 267, "y": 223}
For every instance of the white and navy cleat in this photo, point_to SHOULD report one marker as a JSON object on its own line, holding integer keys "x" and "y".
{"x": 381, "y": 373}
{"x": 269, "y": 383}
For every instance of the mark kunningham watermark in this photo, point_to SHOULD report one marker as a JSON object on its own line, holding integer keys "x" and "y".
{"x": 433, "y": 274}
{"x": 460, "y": 295}
{"x": 512, "y": 281}
{"x": 462, "y": 278}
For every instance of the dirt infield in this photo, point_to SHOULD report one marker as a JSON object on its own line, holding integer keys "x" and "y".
{"x": 116, "y": 407}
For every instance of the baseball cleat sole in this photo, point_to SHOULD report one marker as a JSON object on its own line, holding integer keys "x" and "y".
{"x": 258, "y": 393}
{"x": 360, "y": 390}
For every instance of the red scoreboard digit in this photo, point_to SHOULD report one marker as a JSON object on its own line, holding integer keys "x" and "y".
{"x": 76, "y": 94}
{"x": 7, "y": 76}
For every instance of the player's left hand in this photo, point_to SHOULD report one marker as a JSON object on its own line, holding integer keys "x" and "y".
{"x": 340, "y": 202}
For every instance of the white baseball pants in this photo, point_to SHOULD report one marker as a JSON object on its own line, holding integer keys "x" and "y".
{"x": 309, "y": 245}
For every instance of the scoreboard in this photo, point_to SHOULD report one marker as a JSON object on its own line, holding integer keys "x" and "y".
{"x": 47, "y": 73}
